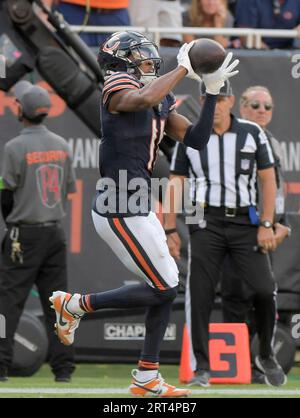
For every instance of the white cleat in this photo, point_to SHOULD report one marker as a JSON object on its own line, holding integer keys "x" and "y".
{"x": 66, "y": 322}
{"x": 156, "y": 388}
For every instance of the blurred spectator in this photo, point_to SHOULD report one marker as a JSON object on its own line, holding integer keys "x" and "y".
{"x": 93, "y": 13}
{"x": 208, "y": 14}
{"x": 158, "y": 13}
{"x": 269, "y": 14}
{"x": 232, "y": 6}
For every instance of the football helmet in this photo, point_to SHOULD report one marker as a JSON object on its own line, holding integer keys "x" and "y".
{"x": 125, "y": 52}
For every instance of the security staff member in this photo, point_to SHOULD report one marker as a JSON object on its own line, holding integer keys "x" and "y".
{"x": 224, "y": 177}
{"x": 37, "y": 175}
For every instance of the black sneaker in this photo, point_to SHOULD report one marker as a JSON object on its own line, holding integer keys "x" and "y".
{"x": 63, "y": 378}
{"x": 201, "y": 379}
{"x": 274, "y": 375}
{"x": 3, "y": 375}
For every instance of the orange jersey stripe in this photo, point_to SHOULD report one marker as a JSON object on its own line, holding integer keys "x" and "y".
{"x": 116, "y": 75}
{"x": 124, "y": 87}
{"x": 120, "y": 80}
{"x": 138, "y": 255}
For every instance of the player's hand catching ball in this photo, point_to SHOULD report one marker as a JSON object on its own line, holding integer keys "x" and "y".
{"x": 183, "y": 60}
{"x": 215, "y": 81}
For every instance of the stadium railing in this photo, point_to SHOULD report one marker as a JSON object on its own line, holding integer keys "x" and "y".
{"x": 253, "y": 36}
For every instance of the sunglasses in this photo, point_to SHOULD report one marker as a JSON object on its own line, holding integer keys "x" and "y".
{"x": 256, "y": 105}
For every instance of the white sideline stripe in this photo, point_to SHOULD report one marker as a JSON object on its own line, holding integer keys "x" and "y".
{"x": 119, "y": 391}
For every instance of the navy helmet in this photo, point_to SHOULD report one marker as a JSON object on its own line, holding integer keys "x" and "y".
{"x": 125, "y": 51}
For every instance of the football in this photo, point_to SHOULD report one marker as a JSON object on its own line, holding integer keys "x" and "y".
{"x": 206, "y": 56}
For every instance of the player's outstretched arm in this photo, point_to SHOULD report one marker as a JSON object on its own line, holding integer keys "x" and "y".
{"x": 152, "y": 94}
{"x": 195, "y": 136}
{"x": 148, "y": 96}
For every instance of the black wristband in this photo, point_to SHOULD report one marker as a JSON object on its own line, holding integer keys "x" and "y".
{"x": 170, "y": 231}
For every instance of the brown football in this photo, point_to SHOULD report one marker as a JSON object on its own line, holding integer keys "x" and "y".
{"x": 206, "y": 56}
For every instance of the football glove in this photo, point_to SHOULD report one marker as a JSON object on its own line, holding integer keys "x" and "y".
{"x": 183, "y": 59}
{"x": 215, "y": 81}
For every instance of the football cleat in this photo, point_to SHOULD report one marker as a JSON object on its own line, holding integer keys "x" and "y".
{"x": 66, "y": 322}
{"x": 156, "y": 388}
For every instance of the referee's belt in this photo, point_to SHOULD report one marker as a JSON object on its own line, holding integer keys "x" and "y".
{"x": 226, "y": 212}
{"x": 37, "y": 225}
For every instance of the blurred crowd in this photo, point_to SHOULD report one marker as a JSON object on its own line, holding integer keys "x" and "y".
{"x": 174, "y": 14}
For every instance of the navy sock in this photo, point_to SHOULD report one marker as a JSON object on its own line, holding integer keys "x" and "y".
{"x": 130, "y": 296}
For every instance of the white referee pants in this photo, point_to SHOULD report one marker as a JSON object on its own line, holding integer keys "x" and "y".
{"x": 140, "y": 243}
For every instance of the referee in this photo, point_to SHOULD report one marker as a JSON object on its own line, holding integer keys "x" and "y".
{"x": 224, "y": 182}
{"x": 257, "y": 105}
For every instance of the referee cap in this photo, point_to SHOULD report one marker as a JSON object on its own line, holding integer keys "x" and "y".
{"x": 35, "y": 100}
{"x": 226, "y": 90}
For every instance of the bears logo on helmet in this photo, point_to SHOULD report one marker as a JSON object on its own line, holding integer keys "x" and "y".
{"x": 125, "y": 52}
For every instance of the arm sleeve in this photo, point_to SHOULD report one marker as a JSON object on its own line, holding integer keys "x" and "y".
{"x": 117, "y": 82}
{"x": 264, "y": 155}
{"x": 7, "y": 202}
{"x": 197, "y": 135}
{"x": 180, "y": 163}
{"x": 247, "y": 14}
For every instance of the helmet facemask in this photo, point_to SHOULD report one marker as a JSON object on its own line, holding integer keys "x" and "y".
{"x": 141, "y": 53}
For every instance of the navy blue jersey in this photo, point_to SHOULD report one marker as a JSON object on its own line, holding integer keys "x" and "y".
{"x": 130, "y": 141}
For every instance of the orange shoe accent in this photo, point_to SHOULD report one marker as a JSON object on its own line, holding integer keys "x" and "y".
{"x": 58, "y": 305}
{"x": 156, "y": 388}
{"x": 66, "y": 323}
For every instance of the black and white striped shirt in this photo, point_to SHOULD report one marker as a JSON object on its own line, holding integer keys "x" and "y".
{"x": 225, "y": 172}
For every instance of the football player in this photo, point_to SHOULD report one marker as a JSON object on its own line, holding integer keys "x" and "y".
{"x": 138, "y": 107}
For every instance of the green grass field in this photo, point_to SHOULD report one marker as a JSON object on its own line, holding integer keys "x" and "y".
{"x": 111, "y": 381}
